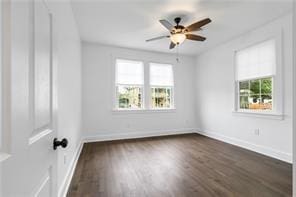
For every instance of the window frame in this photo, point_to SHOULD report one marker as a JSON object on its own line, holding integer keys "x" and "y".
{"x": 252, "y": 110}
{"x": 129, "y": 85}
{"x": 172, "y": 105}
{"x": 142, "y": 86}
{"x": 277, "y": 85}
{"x": 146, "y": 91}
{"x": 5, "y": 84}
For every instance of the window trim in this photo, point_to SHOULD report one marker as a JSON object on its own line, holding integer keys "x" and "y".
{"x": 172, "y": 91}
{"x": 252, "y": 110}
{"x": 5, "y": 84}
{"x": 146, "y": 91}
{"x": 277, "y": 88}
{"x": 115, "y": 84}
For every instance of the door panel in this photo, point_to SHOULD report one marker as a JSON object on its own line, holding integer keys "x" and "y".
{"x": 31, "y": 169}
{"x": 42, "y": 68}
{"x": 41, "y": 154}
{"x": 43, "y": 188}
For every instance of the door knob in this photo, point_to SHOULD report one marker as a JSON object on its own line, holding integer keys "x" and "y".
{"x": 63, "y": 143}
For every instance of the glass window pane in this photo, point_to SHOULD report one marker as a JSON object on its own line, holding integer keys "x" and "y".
{"x": 255, "y": 87}
{"x": 161, "y": 97}
{"x": 266, "y": 102}
{"x": 244, "y": 102}
{"x": 266, "y": 86}
{"x": 244, "y": 88}
{"x": 129, "y": 97}
{"x": 254, "y": 102}
{"x": 258, "y": 96}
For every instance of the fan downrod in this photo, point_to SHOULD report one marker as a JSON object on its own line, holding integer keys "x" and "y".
{"x": 177, "y": 20}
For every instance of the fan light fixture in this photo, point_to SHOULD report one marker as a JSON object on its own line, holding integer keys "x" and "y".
{"x": 178, "y": 33}
{"x": 178, "y": 38}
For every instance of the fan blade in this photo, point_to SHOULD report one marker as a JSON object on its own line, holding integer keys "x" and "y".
{"x": 166, "y": 24}
{"x": 196, "y": 26}
{"x": 172, "y": 45}
{"x": 195, "y": 37}
{"x": 157, "y": 38}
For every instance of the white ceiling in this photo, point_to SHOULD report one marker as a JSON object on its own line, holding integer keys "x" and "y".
{"x": 129, "y": 23}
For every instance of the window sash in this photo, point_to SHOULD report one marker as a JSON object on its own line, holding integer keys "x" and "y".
{"x": 141, "y": 87}
{"x": 239, "y": 95}
{"x": 171, "y": 88}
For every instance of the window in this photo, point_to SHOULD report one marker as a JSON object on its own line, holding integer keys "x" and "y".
{"x": 161, "y": 85}
{"x": 256, "y": 94}
{"x": 129, "y": 84}
{"x": 133, "y": 93}
{"x": 255, "y": 72}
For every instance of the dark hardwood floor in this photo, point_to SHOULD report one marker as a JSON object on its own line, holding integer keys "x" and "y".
{"x": 182, "y": 166}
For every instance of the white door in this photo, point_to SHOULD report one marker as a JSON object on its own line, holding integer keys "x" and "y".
{"x": 31, "y": 168}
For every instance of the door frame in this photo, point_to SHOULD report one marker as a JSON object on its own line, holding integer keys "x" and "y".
{"x": 294, "y": 97}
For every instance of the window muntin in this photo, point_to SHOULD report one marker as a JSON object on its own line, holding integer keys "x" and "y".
{"x": 129, "y": 82}
{"x": 161, "y": 86}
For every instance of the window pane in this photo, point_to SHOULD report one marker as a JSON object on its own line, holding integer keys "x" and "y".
{"x": 267, "y": 102}
{"x": 254, "y": 102}
{"x": 255, "y": 87}
{"x": 244, "y": 102}
{"x": 266, "y": 86}
{"x": 244, "y": 88}
{"x": 161, "y": 97}
{"x": 260, "y": 94}
{"x": 262, "y": 103}
{"x": 129, "y": 97}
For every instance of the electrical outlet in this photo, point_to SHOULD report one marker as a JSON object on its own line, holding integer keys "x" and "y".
{"x": 257, "y": 132}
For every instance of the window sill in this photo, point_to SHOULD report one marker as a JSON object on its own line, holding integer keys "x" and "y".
{"x": 4, "y": 156}
{"x": 142, "y": 111}
{"x": 260, "y": 114}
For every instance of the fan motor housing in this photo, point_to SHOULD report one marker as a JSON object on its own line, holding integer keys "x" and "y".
{"x": 178, "y": 29}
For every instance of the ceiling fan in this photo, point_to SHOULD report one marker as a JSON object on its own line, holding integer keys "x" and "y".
{"x": 179, "y": 33}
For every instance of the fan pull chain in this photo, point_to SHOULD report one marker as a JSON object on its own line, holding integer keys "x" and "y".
{"x": 177, "y": 53}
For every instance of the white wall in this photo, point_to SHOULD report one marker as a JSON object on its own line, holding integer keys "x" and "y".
{"x": 294, "y": 98}
{"x": 99, "y": 122}
{"x": 215, "y": 97}
{"x": 69, "y": 85}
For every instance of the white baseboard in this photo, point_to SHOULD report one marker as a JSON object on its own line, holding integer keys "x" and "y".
{"x": 247, "y": 145}
{"x": 63, "y": 189}
{"x": 132, "y": 135}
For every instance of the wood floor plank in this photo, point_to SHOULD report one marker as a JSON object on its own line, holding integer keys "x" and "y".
{"x": 177, "y": 166}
